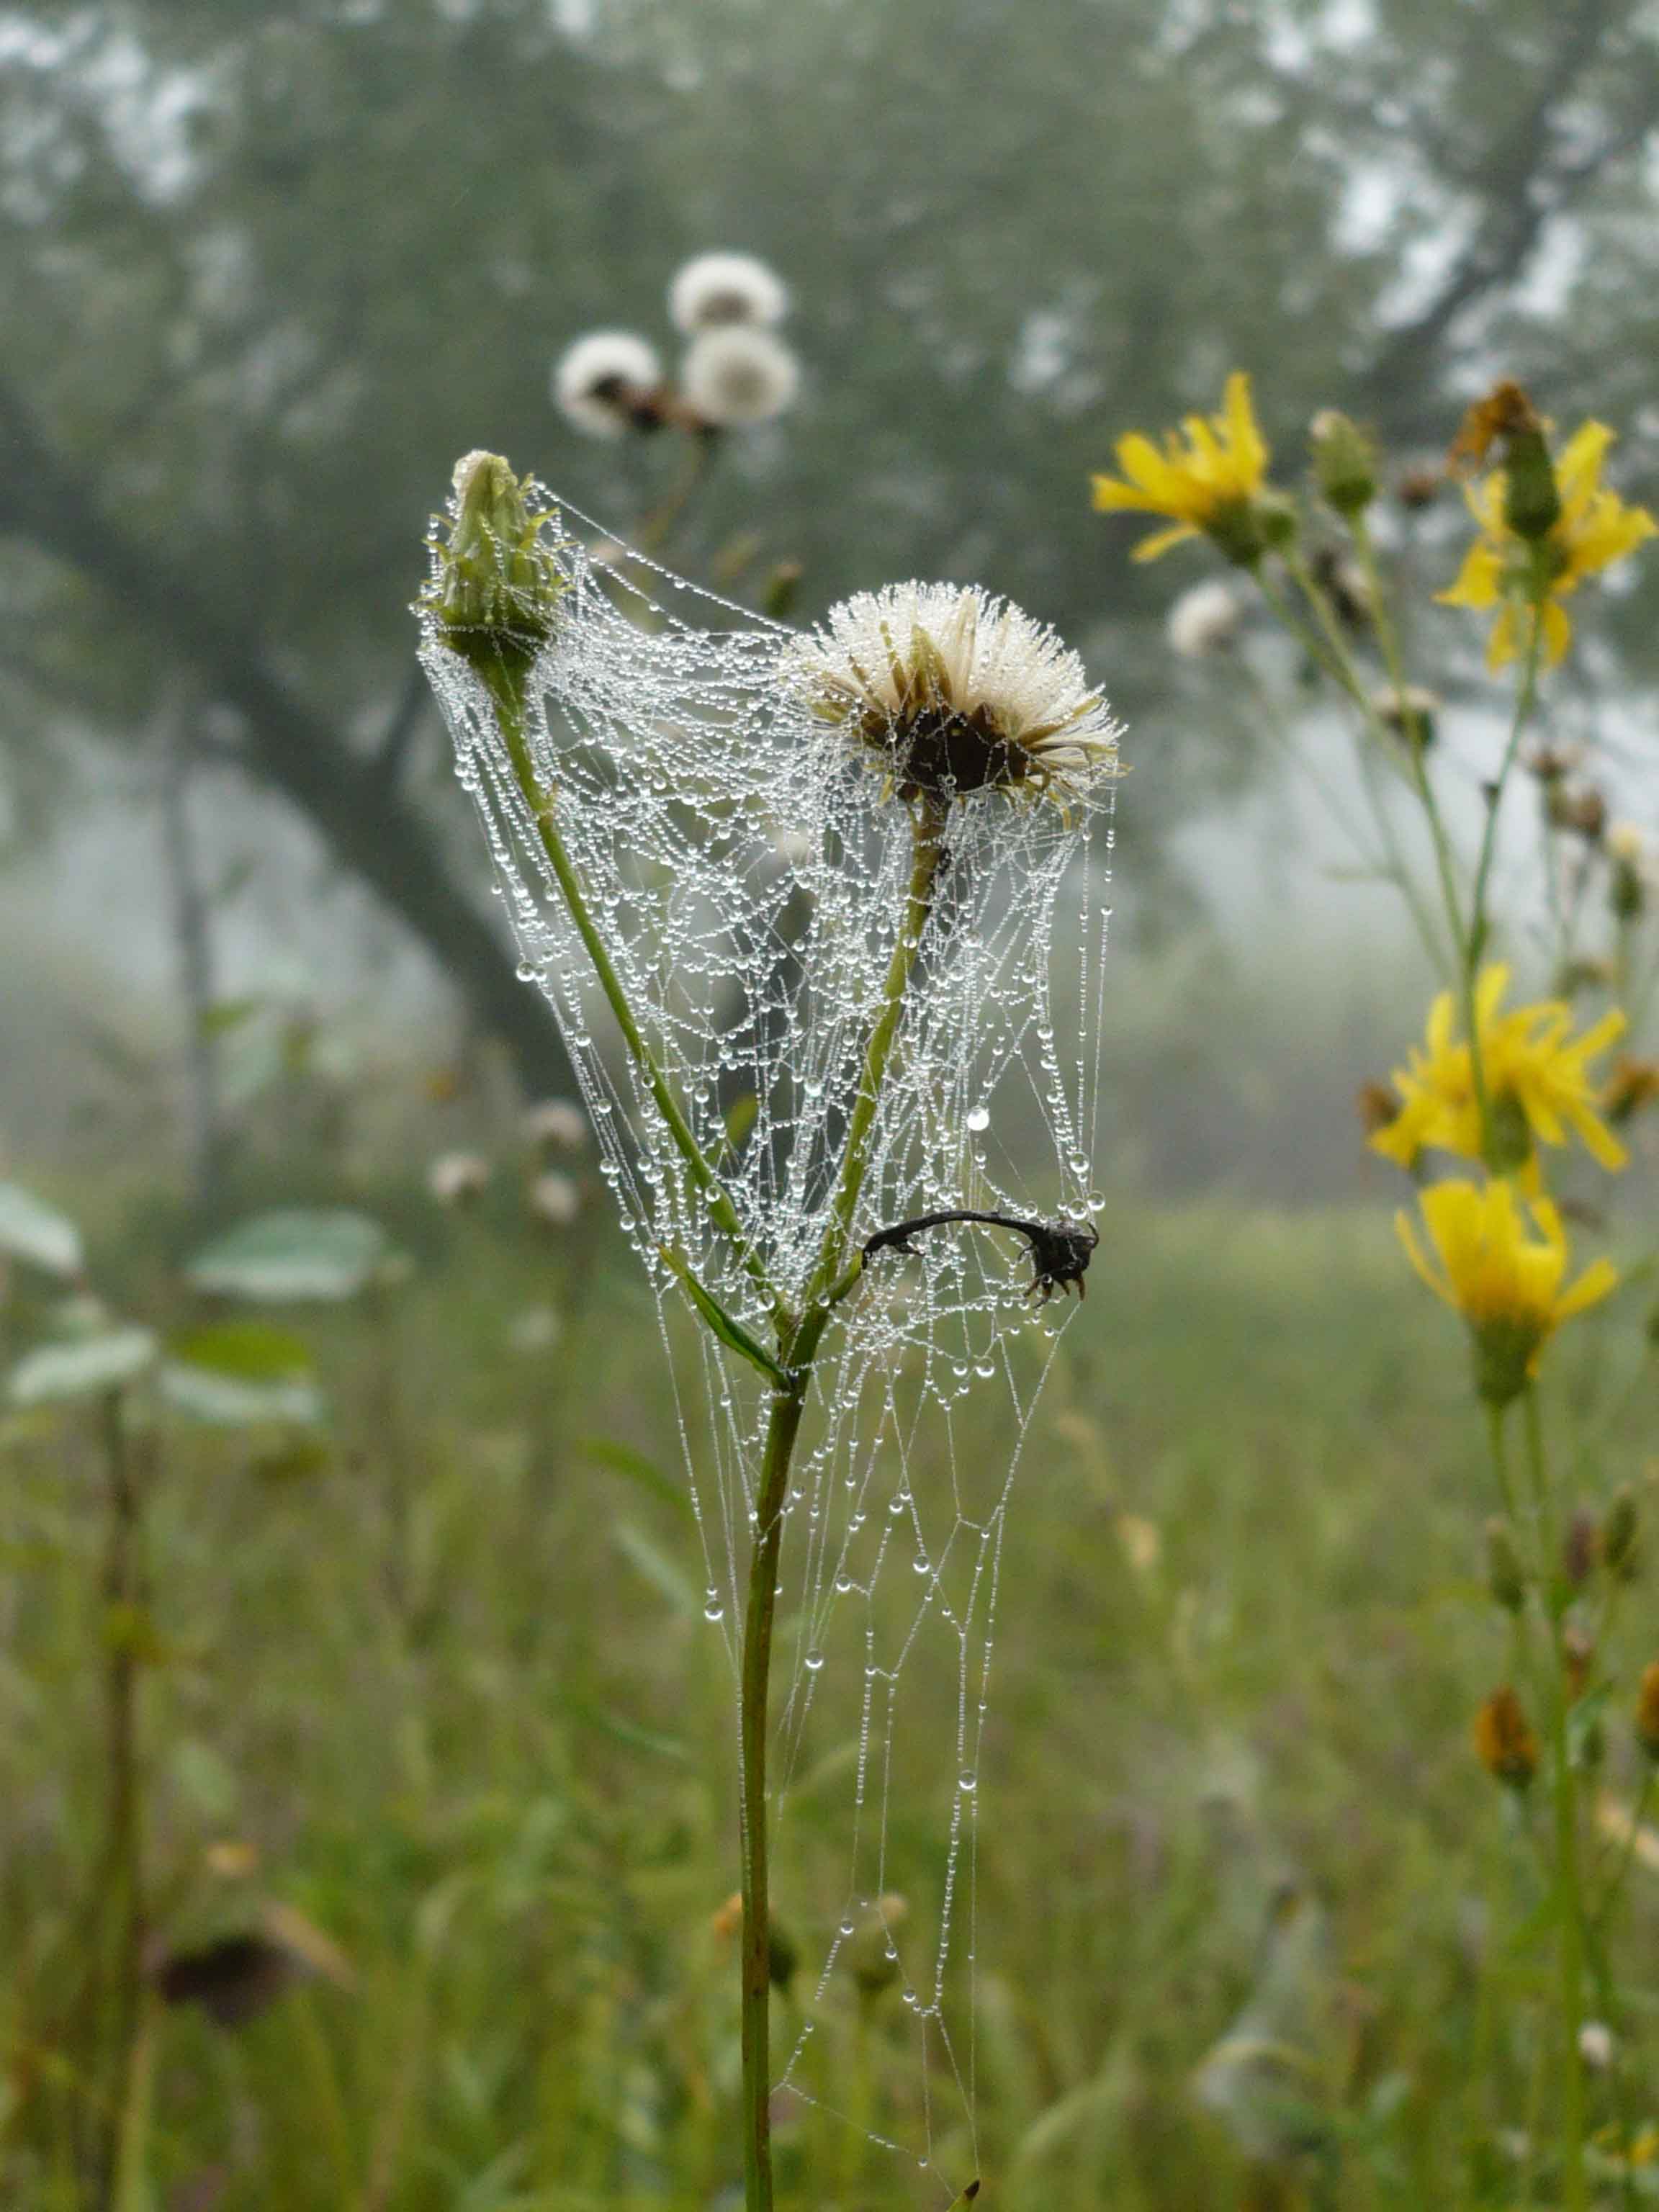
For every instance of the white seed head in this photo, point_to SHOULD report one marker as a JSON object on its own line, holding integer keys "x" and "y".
{"x": 737, "y": 376}
{"x": 716, "y": 289}
{"x": 559, "y": 1123}
{"x": 598, "y": 381}
{"x": 954, "y": 691}
{"x": 1412, "y": 700}
{"x": 555, "y": 1198}
{"x": 455, "y": 1178}
{"x": 1204, "y": 620}
{"x": 536, "y": 1329}
{"x": 1595, "y": 2045}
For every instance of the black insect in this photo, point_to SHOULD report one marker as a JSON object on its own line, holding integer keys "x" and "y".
{"x": 1061, "y": 1250}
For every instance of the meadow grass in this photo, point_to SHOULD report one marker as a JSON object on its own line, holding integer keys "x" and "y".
{"x": 457, "y": 1687}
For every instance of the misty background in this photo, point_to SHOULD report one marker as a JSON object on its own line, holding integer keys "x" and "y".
{"x": 270, "y": 268}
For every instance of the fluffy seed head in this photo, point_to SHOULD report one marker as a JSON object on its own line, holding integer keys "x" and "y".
{"x": 602, "y": 381}
{"x": 457, "y": 1178}
{"x": 953, "y": 691}
{"x": 555, "y": 1198}
{"x": 737, "y": 376}
{"x": 718, "y": 289}
{"x": 1204, "y": 620}
{"x": 558, "y": 1123}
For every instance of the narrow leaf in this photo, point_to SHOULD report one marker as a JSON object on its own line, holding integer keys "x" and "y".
{"x": 656, "y": 1566}
{"x": 623, "y": 1460}
{"x": 731, "y": 1332}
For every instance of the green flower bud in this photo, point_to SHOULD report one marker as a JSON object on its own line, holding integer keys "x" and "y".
{"x": 1532, "y": 501}
{"x": 1345, "y": 462}
{"x": 496, "y": 580}
{"x": 1619, "y": 1531}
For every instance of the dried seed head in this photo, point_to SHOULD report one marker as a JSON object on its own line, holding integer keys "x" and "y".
{"x": 608, "y": 383}
{"x": 953, "y": 692}
{"x": 714, "y": 290}
{"x": 736, "y": 375}
{"x": 1503, "y": 1743}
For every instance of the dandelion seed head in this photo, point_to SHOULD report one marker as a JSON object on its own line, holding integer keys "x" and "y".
{"x": 555, "y": 1198}
{"x": 558, "y": 1123}
{"x": 714, "y": 290}
{"x": 1204, "y": 620}
{"x": 600, "y": 381}
{"x": 455, "y": 1178}
{"x": 737, "y": 376}
{"x": 953, "y": 691}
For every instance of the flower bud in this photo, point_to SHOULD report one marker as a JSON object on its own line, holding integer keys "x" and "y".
{"x": 1506, "y": 1578}
{"x": 496, "y": 580}
{"x": 1579, "y": 1547}
{"x": 1619, "y": 1531}
{"x": 1647, "y": 1711}
{"x": 1345, "y": 462}
{"x": 1532, "y": 500}
{"x": 1503, "y": 1743}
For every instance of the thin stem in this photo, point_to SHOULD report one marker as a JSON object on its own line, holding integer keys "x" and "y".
{"x": 507, "y": 680}
{"x": 1568, "y": 1906}
{"x": 124, "y": 1816}
{"x": 797, "y": 1349}
{"x": 1525, "y": 699}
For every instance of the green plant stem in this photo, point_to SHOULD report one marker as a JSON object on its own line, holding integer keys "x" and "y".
{"x": 1525, "y": 699}
{"x": 1569, "y": 1903}
{"x": 1338, "y": 662}
{"x": 798, "y": 1348}
{"x": 507, "y": 679}
{"x": 124, "y": 1841}
{"x": 798, "y": 1337}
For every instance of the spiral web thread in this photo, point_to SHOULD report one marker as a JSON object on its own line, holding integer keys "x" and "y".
{"x": 749, "y": 876}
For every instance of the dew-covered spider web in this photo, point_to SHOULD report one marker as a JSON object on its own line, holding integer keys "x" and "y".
{"x": 748, "y": 871}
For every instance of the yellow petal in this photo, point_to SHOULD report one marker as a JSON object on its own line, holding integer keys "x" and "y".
{"x": 1477, "y": 581}
{"x": 1597, "y": 1282}
{"x": 1557, "y": 632}
{"x": 1161, "y": 541}
{"x": 1408, "y": 1237}
{"x": 1249, "y": 446}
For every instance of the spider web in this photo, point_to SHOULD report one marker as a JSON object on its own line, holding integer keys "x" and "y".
{"x": 749, "y": 876}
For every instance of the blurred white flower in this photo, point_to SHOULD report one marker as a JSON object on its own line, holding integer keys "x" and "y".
{"x": 717, "y": 289}
{"x": 1204, "y": 620}
{"x": 1414, "y": 704}
{"x": 555, "y": 1198}
{"x": 954, "y": 691}
{"x": 605, "y": 382}
{"x": 1595, "y": 2045}
{"x": 737, "y": 376}
{"x": 1627, "y": 844}
{"x": 537, "y": 1328}
{"x": 558, "y": 1122}
{"x": 456, "y": 1178}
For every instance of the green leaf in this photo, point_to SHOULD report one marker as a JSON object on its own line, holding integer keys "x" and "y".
{"x": 630, "y": 1732}
{"x": 227, "y": 1401}
{"x": 30, "y": 1230}
{"x": 328, "y": 1254}
{"x": 731, "y": 1332}
{"x": 292, "y": 1460}
{"x": 623, "y": 1459}
{"x": 227, "y": 1014}
{"x": 251, "y": 1351}
{"x": 656, "y": 1566}
{"x": 58, "y": 1373}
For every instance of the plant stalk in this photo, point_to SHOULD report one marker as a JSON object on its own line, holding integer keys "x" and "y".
{"x": 124, "y": 1816}
{"x": 797, "y": 1349}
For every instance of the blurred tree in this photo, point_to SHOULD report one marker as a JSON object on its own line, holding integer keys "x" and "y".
{"x": 269, "y": 268}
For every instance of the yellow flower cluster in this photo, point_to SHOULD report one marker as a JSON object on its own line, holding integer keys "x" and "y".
{"x": 1593, "y": 529}
{"x": 1536, "y": 1076}
{"x": 1502, "y": 1273}
{"x": 1208, "y": 485}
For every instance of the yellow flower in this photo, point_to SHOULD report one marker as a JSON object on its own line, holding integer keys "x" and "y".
{"x": 1209, "y": 485}
{"x": 1505, "y": 1280}
{"x": 1593, "y": 529}
{"x": 1538, "y": 1083}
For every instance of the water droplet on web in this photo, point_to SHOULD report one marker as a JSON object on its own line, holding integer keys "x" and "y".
{"x": 968, "y": 1779}
{"x": 814, "y": 1661}
{"x": 712, "y": 1613}
{"x": 846, "y": 1927}
{"x": 980, "y": 1118}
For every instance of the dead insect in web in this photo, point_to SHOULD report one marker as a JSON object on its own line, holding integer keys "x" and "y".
{"x": 1061, "y": 1250}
